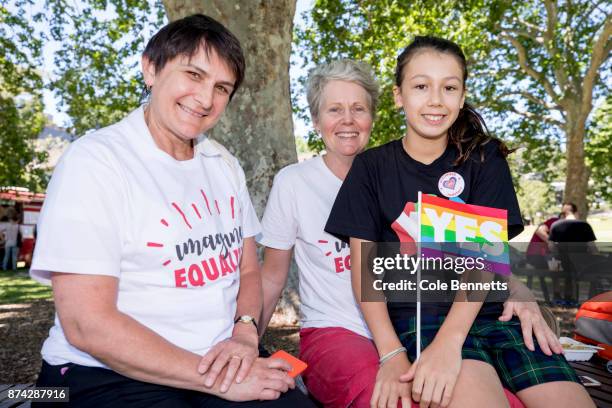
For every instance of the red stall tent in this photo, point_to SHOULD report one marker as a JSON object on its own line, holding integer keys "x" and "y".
{"x": 26, "y": 204}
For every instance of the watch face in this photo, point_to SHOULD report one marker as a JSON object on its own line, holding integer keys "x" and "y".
{"x": 246, "y": 319}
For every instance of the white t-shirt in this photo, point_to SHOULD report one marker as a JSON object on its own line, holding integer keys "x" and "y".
{"x": 170, "y": 231}
{"x": 299, "y": 204}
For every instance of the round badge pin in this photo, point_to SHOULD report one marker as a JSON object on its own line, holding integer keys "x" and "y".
{"x": 451, "y": 184}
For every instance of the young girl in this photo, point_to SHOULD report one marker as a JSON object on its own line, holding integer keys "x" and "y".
{"x": 447, "y": 152}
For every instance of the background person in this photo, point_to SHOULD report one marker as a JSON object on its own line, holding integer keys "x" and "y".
{"x": 147, "y": 236}
{"x": 3, "y": 221}
{"x": 10, "y": 230}
{"x": 538, "y": 251}
{"x": 573, "y": 242}
{"x": 570, "y": 228}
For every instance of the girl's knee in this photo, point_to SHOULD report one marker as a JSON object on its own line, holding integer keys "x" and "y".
{"x": 478, "y": 386}
{"x": 557, "y": 394}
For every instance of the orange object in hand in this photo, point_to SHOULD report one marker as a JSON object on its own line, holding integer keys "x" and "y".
{"x": 297, "y": 365}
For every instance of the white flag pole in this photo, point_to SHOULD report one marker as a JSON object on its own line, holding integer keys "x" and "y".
{"x": 418, "y": 311}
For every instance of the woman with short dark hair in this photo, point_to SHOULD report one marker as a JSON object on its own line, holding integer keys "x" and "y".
{"x": 147, "y": 236}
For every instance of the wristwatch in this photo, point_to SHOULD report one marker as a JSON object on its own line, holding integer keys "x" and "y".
{"x": 247, "y": 319}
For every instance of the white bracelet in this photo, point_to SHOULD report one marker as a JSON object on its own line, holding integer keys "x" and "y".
{"x": 391, "y": 354}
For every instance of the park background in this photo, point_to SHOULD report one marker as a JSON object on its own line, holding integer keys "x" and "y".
{"x": 540, "y": 72}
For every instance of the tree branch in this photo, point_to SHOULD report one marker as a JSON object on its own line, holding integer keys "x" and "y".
{"x": 529, "y": 30}
{"x": 597, "y": 28}
{"x": 530, "y": 26}
{"x": 551, "y": 47}
{"x": 533, "y": 98}
{"x": 551, "y": 20}
{"x": 527, "y": 34}
{"x": 534, "y": 116}
{"x": 601, "y": 52}
{"x": 536, "y": 75}
{"x": 590, "y": 11}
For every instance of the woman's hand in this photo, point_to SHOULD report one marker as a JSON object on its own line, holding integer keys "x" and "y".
{"x": 267, "y": 380}
{"x": 388, "y": 389}
{"x": 238, "y": 353}
{"x": 435, "y": 373}
{"x": 532, "y": 324}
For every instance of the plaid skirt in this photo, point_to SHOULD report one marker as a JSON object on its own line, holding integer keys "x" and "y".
{"x": 498, "y": 343}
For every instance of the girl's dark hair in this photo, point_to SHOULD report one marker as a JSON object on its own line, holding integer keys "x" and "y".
{"x": 469, "y": 132}
{"x": 187, "y": 35}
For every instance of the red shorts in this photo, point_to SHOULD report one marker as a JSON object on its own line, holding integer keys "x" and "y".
{"x": 342, "y": 367}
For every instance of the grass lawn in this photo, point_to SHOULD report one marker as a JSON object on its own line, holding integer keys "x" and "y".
{"x": 602, "y": 226}
{"x": 17, "y": 287}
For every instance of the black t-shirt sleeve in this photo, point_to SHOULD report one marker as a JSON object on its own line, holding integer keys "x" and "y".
{"x": 589, "y": 234}
{"x": 355, "y": 212}
{"x": 571, "y": 231}
{"x": 493, "y": 188}
{"x": 553, "y": 235}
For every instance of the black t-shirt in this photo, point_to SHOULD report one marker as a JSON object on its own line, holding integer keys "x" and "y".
{"x": 571, "y": 231}
{"x": 382, "y": 180}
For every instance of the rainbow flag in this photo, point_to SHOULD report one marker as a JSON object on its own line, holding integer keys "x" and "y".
{"x": 452, "y": 229}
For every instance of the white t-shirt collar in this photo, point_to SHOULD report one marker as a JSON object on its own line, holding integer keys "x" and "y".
{"x": 202, "y": 143}
{"x": 205, "y": 147}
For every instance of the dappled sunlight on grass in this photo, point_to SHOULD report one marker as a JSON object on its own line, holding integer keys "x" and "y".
{"x": 17, "y": 287}
{"x": 12, "y": 311}
{"x": 23, "y": 329}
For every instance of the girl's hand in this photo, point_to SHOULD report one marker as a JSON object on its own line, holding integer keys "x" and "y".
{"x": 434, "y": 374}
{"x": 388, "y": 389}
{"x": 532, "y": 324}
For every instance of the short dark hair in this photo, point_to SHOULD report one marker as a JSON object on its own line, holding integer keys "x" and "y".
{"x": 573, "y": 206}
{"x": 186, "y": 35}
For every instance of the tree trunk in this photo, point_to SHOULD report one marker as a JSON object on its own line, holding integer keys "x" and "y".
{"x": 257, "y": 126}
{"x": 577, "y": 175}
